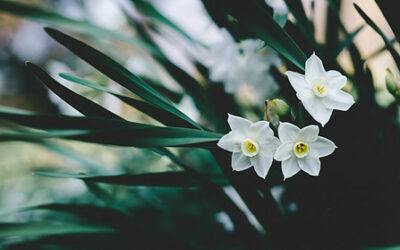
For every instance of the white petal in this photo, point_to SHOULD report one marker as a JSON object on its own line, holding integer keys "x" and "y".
{"x": 270, "y": 146}
{"x": 339, "y": 100}
{"x": 306, "y": 96}
{"x": 275, "y": 143}
{"x": 284, "y": 152}
{"x": 335, "y": 79}
{"x": 238, "y": 123}
{"x": 310, "y": 165}
{"x": 322, "y": 147}
{"x": 298, "y": 81}
{"x": 260, "y": 131}
{"x": 309, "y": 134}
{"x": 230, "y": 142}
{"x": 287, "y": 132}
{"x": 262, "y": 163}
{"x": 318, "y": 111}
{"x": 290, "y": 167}
{"x": 314, "y": 68}
{"x": 240, "y": 162}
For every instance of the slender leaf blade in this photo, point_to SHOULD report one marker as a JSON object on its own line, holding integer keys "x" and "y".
{"x": 156, "y": 113}
{"x": 163, "y": 179}
{"x": 39, "y": 229}
{"x": 118, "y": 73}
{"x": 80, "y": 103}
{"x": 375, "y": 27}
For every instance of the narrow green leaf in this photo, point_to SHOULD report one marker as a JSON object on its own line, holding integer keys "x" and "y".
{"x": 389, "y": 9}
{"x": 174, "y": 96}
{"x": 375, "y": 27}
{"x": 164, "y": 179}
{"x": 158, "y": 114}
{"x": 150, "y": 11}
{"x": 380, "y": 50}
{"x": 46, "y": 16}
{"x": 131, "y": 134}
{"x": 45, "y": 229}
{"x": 297, "y": 10}
{"x": 252, "y": 17}
{"x": 348, "y": 40}
{"x": 77, "y": 101}
{"x": 280, "y": 19}
{"x": 44, "y": 121}
{"x": 118, "y": 73}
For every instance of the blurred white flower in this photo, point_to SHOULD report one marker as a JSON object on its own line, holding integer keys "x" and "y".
{"x": 245, "y": 64}
{"x": 224, "y": 219}
{"x": 320, "y": 90}
{"x": 105, "y": 13}
{"x": 252, "y": 144}
{"x": 301, "y": 149}
{"x": 187, "y": 106}
{"x": 279, "y": 6}
{"x": 192, "y": 17}
{"x": 30, "y": 42}
{"x": 235, "y": 197}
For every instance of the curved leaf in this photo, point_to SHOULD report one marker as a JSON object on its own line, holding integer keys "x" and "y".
{"x": 158, "y": 114}
{"x": 375, "y": 27}
{"x": 252, "y": 17}
{"x": 77, "y": 101}
{"x": 118, "y": 73}
{"x": 131, "y": 134}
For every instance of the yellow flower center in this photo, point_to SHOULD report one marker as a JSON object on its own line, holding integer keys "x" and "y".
{"x": 249, "y": 148}
{"x": 319, "y": 88}
{"x": 300, "y": 149}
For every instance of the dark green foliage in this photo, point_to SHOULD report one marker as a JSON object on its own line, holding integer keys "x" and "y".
{"x": 353, "y": 204}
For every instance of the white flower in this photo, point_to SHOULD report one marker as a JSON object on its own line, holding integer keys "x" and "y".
{"x": 320, "y": 90}
{"x": 301, "y": 149}
{"x": 252, "y": 144}
{"x": 244, "y": 65}
{"x": 279, "y": 6}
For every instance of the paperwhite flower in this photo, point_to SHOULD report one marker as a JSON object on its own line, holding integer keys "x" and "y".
{"x": 252, "y": 144}
{"x": 320, "y": 90}
{"x": 301, "y": 149}
{"x": 279, "y": 6}
{"x": 244, "y": 65}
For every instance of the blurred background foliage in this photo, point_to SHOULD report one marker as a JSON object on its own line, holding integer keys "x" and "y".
{"x": 354, "y": 204}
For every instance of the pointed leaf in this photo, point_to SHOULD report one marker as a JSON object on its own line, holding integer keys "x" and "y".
{"x": 77, "y": 101}
{"x": 118, "y": 73}
{"x": 130, "y": 134}
{"x": 252, "y": 16}
{"x": 374, "y": 26}
{"x": 158, "y": 114}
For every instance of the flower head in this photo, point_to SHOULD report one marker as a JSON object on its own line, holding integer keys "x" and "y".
{"x": 243, "y": 67}
{"x": 301, "y": 149}
{"x": 252, "y": 144}
{"x": 320, "y": 90}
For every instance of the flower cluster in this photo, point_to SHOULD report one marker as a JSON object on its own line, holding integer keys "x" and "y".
{"x": 254, "y": 144}
{"x": 229, "y": 62}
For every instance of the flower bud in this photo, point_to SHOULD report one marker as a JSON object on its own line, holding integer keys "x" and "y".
{"x": 274, "y": 109}
{"x": 392, "y": 84}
